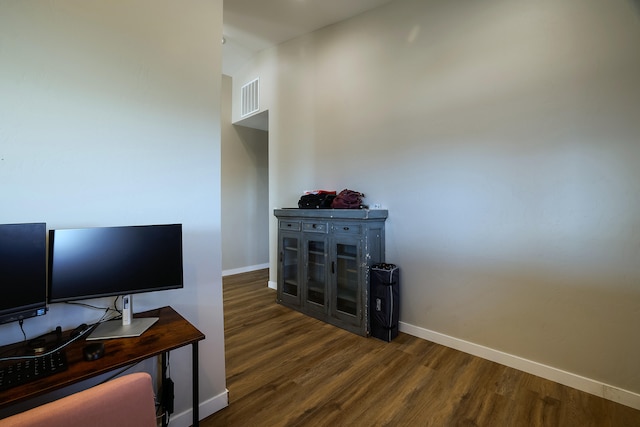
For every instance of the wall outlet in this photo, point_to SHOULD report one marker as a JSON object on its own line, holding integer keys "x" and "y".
{"x": 376, "y": 206}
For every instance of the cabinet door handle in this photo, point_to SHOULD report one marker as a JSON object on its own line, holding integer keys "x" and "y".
{"x": 281, "y": 256}
{"x": 333, "y": 267}
{"x": 345, "y": 228}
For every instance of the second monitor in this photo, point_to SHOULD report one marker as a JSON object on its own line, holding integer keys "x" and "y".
{"x": 87, "y": 263}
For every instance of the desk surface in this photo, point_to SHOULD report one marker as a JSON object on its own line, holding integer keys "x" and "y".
{"x": 171, "y": 331}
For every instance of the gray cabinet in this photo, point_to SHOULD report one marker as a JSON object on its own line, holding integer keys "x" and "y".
{"x": 324, "y": 259}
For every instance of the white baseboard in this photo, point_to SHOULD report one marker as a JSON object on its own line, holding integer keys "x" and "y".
{"x": 273, "y": 285}
{"x": 244, "y": 269}
{"x": 216, "y": 403}
{"x": 588, "y": 385}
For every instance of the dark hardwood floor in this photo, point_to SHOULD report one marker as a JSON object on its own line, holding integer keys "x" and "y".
{"x": 287, "y": 369}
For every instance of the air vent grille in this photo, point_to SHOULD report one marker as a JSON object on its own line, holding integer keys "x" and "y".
{"x": 250, "y": 94}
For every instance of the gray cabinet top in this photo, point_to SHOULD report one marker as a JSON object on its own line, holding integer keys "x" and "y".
{"x": 331, "y": 213}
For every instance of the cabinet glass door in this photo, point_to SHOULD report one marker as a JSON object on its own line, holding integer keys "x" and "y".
{"x": 347, "y": 279}
{"x": 316, "y": 272}
{"x": 290, "y": 266}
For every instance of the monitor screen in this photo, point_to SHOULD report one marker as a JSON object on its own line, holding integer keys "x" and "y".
{"x": 23, "y": 271}
{"x": 109, "y": 261}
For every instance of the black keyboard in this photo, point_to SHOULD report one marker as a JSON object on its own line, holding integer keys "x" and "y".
{"x": 27, "y": 370}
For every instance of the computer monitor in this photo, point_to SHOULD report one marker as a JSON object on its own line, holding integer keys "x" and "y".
{"x": 23, "y": 271}
{"x": 87, "y": 263}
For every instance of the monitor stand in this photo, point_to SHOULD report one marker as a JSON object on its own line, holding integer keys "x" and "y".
{"x": 126, "y": 328}
{"x": 115, "y": 329}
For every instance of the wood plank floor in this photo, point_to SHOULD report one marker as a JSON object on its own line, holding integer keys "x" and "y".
{"x": 287, "y": 369}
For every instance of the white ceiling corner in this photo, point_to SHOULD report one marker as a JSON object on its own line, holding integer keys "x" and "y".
{"x": 250, "y": 26}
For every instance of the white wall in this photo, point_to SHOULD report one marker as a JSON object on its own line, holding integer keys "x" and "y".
{"x": 110, "y": 115}
{"x": 245, "y": 192}
{"x": 503, "y": 139}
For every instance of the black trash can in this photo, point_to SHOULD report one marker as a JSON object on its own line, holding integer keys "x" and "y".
{"x": 384, "y": 301}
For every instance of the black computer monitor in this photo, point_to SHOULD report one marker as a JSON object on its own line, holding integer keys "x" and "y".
{"x": 23, "y": 271}
{"x": 87, "y": 263}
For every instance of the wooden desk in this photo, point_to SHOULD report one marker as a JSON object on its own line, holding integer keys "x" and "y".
{"x": 170, "y": 332}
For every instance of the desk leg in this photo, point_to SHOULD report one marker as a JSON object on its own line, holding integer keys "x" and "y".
{"x": 163, "y": 361}
{"x": 195, "y": 384}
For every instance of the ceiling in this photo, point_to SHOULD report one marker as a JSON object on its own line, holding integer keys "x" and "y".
{"x": 250, "y": 26}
